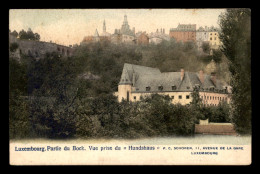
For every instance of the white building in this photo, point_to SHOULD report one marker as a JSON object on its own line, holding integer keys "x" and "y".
{"x": 158, "y": 36}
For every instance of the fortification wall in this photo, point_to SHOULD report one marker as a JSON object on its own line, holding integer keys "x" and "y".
{"x": 38, "y": 49}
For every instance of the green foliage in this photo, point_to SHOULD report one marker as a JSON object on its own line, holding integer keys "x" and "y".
{"x": 205, "y": 47}
{"x": 236, "y": 38}
{"x": 19, "y": 123}
{"x": 13, "y": 47}
{"x": 29, "y": 35}
{"x": 217, "y": 55}
{"x": 63, "y": 105}
{"x": 14, "y": 33}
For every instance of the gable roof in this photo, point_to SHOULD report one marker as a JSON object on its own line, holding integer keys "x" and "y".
{"x": 153, "y": 78}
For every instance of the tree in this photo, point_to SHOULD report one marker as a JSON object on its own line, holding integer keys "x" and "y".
{"x": 217, "y": 55}
{"x": 14, "y": 33}
{"x": 205, "y": 47}
{"x": 236, "y": 38}
{"x": 29, "y": 35}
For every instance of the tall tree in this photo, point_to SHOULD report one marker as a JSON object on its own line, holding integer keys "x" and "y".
{"x": 236, "y": 38}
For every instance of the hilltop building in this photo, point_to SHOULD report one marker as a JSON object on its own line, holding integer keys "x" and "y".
{"x": 184, "y": 33}
{"x": 208, "y": 35}
{"x": 140, "y": 81}
{"x": 125, "y": 34}
{"x": 214, "y": 40}
{"x": 142, "y": 38}
{"x": 158, "y": 36}
{"x": 202, "y": 36}
{"x": 97, "y": 37}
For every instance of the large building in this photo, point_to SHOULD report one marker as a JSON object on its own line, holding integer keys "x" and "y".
{"x": 158, "y": 36}
{"x": 125, "y": 34}
{"x": 214, "y": 40}
{"x": 98, "y": 37}
{"x": 142, "y": 38}
{"x": 208, "y": 35}
{"x": 202, "y": 36}
{"x": 139, "y": 81}
{"x": 184, "y": 33}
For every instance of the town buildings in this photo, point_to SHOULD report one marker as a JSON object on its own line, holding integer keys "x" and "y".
{"x": 139, "y": 81}
{"x": 202, "y": 36}
{"x": 125, "y": 34}
{"x": 184, "y": 33}
{"x": 214, "y": 40}
{"x": 142, "y": 38}
{"x": 158, "y": 36}
{"x": 208, "y": 35}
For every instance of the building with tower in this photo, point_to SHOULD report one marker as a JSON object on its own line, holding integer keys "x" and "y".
{"x": 139, "y": 81}
{"x": 125, "y": 34}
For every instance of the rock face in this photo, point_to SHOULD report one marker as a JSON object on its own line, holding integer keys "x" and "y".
{"x": 38, "y": 49}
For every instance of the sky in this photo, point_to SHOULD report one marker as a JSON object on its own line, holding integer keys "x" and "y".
{"x": 70, "y": 26}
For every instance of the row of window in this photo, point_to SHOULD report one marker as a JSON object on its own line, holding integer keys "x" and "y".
{"x": 160, "y": 88}
{"x": 179, "y": 97}
{"x": 213, "y": 98}
{"x": 214, "y": 38}
{"x": 210, "y": 104}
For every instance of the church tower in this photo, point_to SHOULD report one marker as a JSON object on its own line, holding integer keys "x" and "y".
{"x": 125, "y": 20}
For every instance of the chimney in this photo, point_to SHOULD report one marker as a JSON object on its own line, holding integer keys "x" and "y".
{"x": 201, "y": 76}
{"x": 213, "y": 77}
{"x": 182, "y": 74}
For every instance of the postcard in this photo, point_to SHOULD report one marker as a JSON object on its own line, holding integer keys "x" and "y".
{"x": 130, "y": 87}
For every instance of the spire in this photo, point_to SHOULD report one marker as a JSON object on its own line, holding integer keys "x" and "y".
{"x": 96, "y": 34}
{"x": 104, "y": 26}
{"x": 125, "y": 20}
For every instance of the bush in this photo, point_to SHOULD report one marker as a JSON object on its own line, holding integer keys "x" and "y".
{"x": 13, "y": 47}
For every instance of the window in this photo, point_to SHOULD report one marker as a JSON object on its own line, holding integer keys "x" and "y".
{"x": 180, "y": 97}
{"x": 215, "y": 38}
{"x": 210, "y": 97}
{"x": 174, "y": 87}
{"x": 207, "y": 97}
{"x": 172, "y": 97}
{"x": 160, "y": 88}
{"x": 188, "y": 87}
{"x": 211, "y": 38}
{"x": 126, "y": 80}
{"x": 127, "y": 97}
{"x": 134, "y": 97}
{"x": 187, "y": 97}
{"x": 148, "y": 88}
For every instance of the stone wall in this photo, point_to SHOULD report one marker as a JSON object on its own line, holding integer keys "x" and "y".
{"x": 38, "y": 49}
{"x": 215, "y": 129}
